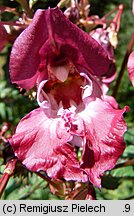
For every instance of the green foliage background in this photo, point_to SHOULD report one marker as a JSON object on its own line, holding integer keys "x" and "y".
{"x": 116, "y": 184}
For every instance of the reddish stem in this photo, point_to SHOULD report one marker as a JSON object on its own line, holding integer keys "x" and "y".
{"x": 117, "y": 18}
{"x": 109, "y": 13}
{"x": 3, "y": 182}
{"x": 126, "y": 163}
{"x": 124, "y": 63}
{"x": 8, "y": 171}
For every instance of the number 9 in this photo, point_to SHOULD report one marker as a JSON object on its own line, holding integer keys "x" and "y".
{"x": 127, "y": 208}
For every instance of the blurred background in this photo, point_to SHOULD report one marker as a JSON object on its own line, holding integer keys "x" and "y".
{"x": 14, "y": 104}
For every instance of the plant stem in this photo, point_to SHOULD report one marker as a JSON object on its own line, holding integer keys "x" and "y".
{"x": 8, "y": 171}
{"x": 123, "y": 66}
{"x": 109, "y": 13}
{"x": 47, "y": 179}
{"x": 126, "y": 163}
{"x": 3, "y": 182}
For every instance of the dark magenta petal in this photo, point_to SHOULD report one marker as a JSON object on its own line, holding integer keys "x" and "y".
{"x": 105, "y": 128}
{"x": 51, "y": 32}
{"x": 130, "y": 66}
{"x": 40, "y": 143}
{"x": 24, "y": 59}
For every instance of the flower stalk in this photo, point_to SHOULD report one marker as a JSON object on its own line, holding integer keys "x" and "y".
{"x": 124, "y": 164}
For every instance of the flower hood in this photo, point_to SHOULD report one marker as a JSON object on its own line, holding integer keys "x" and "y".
{"x": 50, "y": 36}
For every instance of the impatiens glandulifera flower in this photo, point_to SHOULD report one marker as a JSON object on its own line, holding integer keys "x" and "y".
{"x": 64, "y": 62}
{"x": 75, "y": 10}
{"x": 72, "y": 12}
{"x": 130, "y": 67}
{"x": 107, "y": 37}
{"x": 101, "y": 35}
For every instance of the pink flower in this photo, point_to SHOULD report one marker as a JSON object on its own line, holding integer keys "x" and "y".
{"x": 64, "y": 62}
{"x": 107, "y": 38}
{"x": 130, "y": 67}
{"x": 102, "y": 37}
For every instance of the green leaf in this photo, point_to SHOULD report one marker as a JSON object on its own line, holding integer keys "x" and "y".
{"x": 5, "y": 92}
{"x": 123, "y": 172}
{"x": 2, "y": 85}
{"x": 129, "y": 151}
{"x": 9, "y": 113}
{"x": 129, "y": 136}
{"x": 2, "y": 110}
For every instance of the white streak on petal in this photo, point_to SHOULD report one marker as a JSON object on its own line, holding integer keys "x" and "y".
{"x": 42, "y": 96}
{"x": 87, "y": 88}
